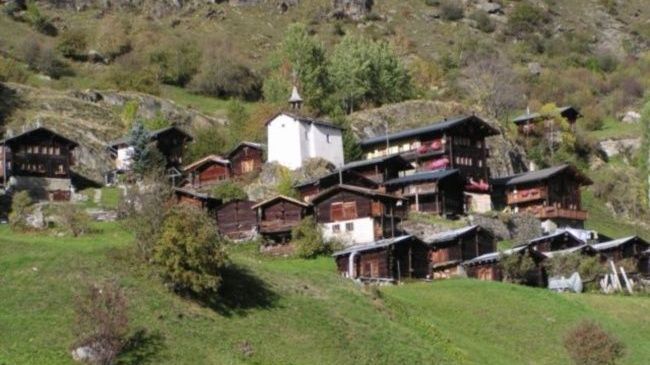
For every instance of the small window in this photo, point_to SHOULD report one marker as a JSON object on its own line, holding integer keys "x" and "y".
{"x": 336, "y": 228}
{"x": 60, "y": 170}
{"x": 349, "y": 227}
{"x": 328, "y": 138}
{"x": 306, "y": 135}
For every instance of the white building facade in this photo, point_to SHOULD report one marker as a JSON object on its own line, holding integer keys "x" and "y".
{"x": 350, "y": 232}
{"x": 293, "y": 139}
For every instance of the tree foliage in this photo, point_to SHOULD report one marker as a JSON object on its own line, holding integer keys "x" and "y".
{"x": 228, "y": 190}
{"x": 146, "y": 158}
{"x": 189, "y": 251}
{"x": 207, "y": 141}
{"x": 517, "y": 267}
{"x": 21, "y": 208}
{"x": 308, "y": 239}
{"x": 74, "y": 220}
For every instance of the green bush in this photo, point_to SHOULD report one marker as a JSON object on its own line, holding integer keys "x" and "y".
{"x": 516, "y": 268}
{"x": 21, "y": 208}
{"x": 133, "y": 78}
{"x": 451, "y": 10}
{"x": 11, "y": 70}
{"x": 589, "y": 344}
{"x": 307, "y": 239}
{"x": 39, "y": 21}
{"x": 526, "y": 18}
{"x": 175, "y": 63}
{"x": 228, "y": 191}
{"x": 226, "y": 79}
{"x": 207, "y": 141}
{"x": 73, "y": 44}
{"x": 483, "y": 21}
{"x": 189, "y": 251}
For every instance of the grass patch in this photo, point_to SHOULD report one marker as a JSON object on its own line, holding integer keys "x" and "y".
{"x": 613, "y": 129}
{"x": 292, "y": 311}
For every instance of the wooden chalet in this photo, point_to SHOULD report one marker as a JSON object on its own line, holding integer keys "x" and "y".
{"x": 39, "y": 161}
{"x": 529, "y": 123}
{"x": 311, "y": 188}
{"x": 447, "y": 250}
{"x": 170, "y": 141}
{"x": 487, "y": 266}
{"x": 207, "y": 171}
{"x": 552, "y": 193}
{"x": 456, "y": 143}
{"x": 246, "y": 158}
{"x": 236, "y": 219}
{"x": 387, "y": 260}
{"x": 632, "y": 247}
{"x": 381, "y": 168}
{"x": 276, "y": 217}
{"x": 438, "y": 191}
{"x": 354, "y": 214}
{"x": 197, "y": 199}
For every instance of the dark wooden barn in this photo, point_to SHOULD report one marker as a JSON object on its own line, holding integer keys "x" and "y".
{"x": 39, "y": 161}
{"x": 633, "y": 247}
{"x": 246, "y": 158}
{"x": 277, "y": 216}
{"x": 207, "y": 171}
{"x": 388, "y": 260}
{"x": 530, "y": 123}
{"x": 553, "y": 193}
{"x": 447, "y": 250}
{"x": 439, "y": 192}
{"x": 236, "y": 219}
{"x": 354, "y": 214}
{"x": 197, "y": 199}
{"x": 379, "y": 169}
{"x": 458, "y": 143}
{"x": 313, "y": 187}
{"x": 562, "y": 239}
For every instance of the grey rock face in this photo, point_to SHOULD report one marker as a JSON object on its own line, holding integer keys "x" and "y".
{"x": 352, "y": 9}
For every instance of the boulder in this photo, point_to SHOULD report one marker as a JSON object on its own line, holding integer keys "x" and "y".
{"x": 631, "y": 117}
{"x": 85, "y": 354}
{"x": 490, "y": 7}
{"x": 352, "y": 9}
{"x": 613, "y": 147}
{"x": 534, "y": 68}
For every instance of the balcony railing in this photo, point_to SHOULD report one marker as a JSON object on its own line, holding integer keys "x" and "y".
{"x": 558, "y": 212}
{"x": 528, "y": 195}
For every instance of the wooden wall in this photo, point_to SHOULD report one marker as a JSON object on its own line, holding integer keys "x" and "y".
{"x": 324, "y": 208}
{"x": 246, "y": 157}
{"x": 236, "y": 219}
{"x": 210, "y": 173}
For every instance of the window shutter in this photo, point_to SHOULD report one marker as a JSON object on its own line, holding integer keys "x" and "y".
{"x": 350, "y": 210}
{"x": 336, "y": 211}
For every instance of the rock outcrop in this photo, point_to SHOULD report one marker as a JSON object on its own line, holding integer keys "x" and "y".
{"x": 613, "y": 147}
{"x": 352, "y": 9}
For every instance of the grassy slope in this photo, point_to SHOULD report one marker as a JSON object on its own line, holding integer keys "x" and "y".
{"x": 294, "y": 312}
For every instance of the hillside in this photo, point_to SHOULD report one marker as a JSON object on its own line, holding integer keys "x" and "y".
{"x": 291, "y": 311}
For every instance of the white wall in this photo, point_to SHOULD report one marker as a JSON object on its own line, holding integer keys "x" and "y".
{"x": 123, "y": 160}
{"x": 284, "y": 142}
{"x": 320, "y": 146}
{"x": 290, "y": 142}
{"x": 364, "y": 231}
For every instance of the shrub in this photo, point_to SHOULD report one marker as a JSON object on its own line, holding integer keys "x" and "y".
{"x": 133, "y": 78}
{"x": 483, "y": 21}
{"x": 74, "y": 219}
{"x": 39, "y": 21}
{"x": 516, "y": 267}
{"x": 526, "y": 18}
{"x": 227, "y": 79}
{"x": 451, "y": 10}
{"x": 73, "y": 44}
{"x": 228, "y": 191}
{"x": 113, "y": 38}
{"x": 21, "y": 208}
{"x": 10, "y": 70}
{"x": 44, "y": 60}
{"x": 589, "y": 344}
{"x": 308, "y": 239}
{"x": 189, "y": 251}
{"x": 102, "y": 323}
{"x": 175, "y": 63}
{"x": 208, "y": 140}
{"x": 142, "y": 212}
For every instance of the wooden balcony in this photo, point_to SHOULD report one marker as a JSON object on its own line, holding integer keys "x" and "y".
{"x": 558, "y": 212}
{"x": 527, "y": 195}
{"x": 277, "y": 226}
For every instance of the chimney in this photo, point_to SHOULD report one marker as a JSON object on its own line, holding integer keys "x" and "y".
{"x": 532, "y": 166}
{"x": 295, "y": 101}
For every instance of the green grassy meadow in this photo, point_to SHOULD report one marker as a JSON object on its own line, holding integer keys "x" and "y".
{"x": 291, "y": 311}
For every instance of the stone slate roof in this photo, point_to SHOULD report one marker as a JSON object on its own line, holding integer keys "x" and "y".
{"x": 422, "y": 176}
{"x": 305, "y": 119}
{"x": 543, "y": 174}
{"x": 435, "y": 127}
{"x": 18, "y": 137}
{"x": 373, "y": 245}
{"x": 531, "y": 116}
